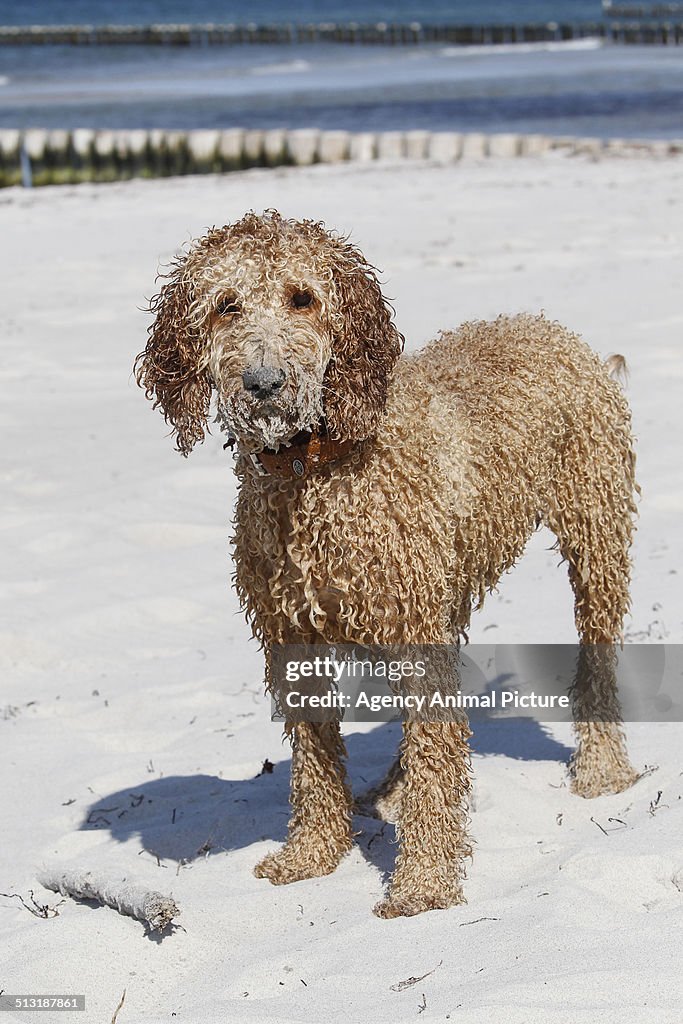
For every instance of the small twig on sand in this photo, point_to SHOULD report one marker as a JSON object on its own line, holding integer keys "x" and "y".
{"x": 401, "y": 986}
{"x": 35, "y": 908}
{"x": 154, "y": 908}
{"x": 477, "y": 920}
{"x": 604, "y": 831}
{"x": 378, "y": 835}
{"x": 116, "y": 1011}
{"x": 423, "y": 1005}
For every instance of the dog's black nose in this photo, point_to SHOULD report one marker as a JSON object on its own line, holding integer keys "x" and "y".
{"x": 263, "y": 381}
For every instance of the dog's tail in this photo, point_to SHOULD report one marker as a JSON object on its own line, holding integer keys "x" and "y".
{"x": 617, "y": 368}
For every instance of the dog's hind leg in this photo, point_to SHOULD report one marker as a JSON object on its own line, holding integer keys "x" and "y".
{"x": 383, "y": 801}
{"x": 593, "y": 521}
{"x": 320, "y": 826}
{"x": 600, "y": 763}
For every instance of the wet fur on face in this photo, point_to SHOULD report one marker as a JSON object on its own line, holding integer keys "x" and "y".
{"x": 282, "y": 294}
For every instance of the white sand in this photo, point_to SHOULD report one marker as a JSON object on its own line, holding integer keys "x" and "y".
{"x": 127, "y": 671}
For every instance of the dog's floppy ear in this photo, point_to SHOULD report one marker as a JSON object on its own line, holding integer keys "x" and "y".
{"x": 170, "y": 368}
{"x": 365, "y": 348}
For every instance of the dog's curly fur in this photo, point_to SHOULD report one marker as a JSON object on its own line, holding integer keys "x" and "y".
{"x": 464, "y": 449}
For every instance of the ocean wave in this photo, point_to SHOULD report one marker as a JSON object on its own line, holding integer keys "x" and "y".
{"x": 289, "y": 67}
{"x": 550, "y": 46}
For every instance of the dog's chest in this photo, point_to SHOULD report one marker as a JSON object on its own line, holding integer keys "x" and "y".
{"x": 340, "y": 556}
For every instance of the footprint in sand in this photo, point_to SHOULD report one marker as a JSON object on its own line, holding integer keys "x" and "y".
{"x": 640, "y": 882}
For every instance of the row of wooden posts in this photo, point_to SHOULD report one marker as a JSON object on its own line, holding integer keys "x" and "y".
{"x": 382, "y": 33}
{"x": 650, "y": 11}
{"x": 42, "y": 157}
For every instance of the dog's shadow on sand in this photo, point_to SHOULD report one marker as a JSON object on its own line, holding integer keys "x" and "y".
{"x": 182, "y": 818}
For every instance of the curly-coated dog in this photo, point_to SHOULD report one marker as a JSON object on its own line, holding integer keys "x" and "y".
{"x": 381, "y": 497}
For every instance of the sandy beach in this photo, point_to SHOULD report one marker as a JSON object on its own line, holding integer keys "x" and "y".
{"x": 133, "y": 727}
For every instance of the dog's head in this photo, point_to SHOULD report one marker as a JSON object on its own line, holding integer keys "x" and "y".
{"x": 285, "y": 320}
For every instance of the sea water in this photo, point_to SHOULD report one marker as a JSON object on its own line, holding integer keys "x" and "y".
{"x": 580, "y": 87}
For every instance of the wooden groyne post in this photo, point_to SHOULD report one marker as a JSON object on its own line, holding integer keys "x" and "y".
{"x": 68, "y": 157}
{"x": 647, "y": 31}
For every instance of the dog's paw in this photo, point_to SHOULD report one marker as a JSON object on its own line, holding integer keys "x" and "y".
{"x": 383, "y": 808}
{"x": 383, "y": 803}
{"x": 591, "y": 784}
{"x": 410, "y": 905}
{"x": 293, "y": 864}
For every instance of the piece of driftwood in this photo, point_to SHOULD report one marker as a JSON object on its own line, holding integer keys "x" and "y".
{"x": 122, "y": 894}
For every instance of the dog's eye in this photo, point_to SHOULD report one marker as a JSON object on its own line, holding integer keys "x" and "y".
{"x": 300, "y": 300}
{"x": 227, "y": 307}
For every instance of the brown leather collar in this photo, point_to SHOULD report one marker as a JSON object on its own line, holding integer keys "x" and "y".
{"x": 308, "y": 451}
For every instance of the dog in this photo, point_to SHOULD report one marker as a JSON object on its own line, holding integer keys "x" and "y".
{"x": 382, "y": 495}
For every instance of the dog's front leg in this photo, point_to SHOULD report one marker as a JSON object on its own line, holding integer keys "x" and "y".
{"x": 430, "y": 867}
{"x": 320, "y": 825}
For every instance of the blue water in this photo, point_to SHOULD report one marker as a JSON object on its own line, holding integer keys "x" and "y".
{"x": 584, "y": 88}
{"x": 135, "y": 12}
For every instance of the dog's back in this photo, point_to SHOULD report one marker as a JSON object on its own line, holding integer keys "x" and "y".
{"x": 529, "y": 427}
